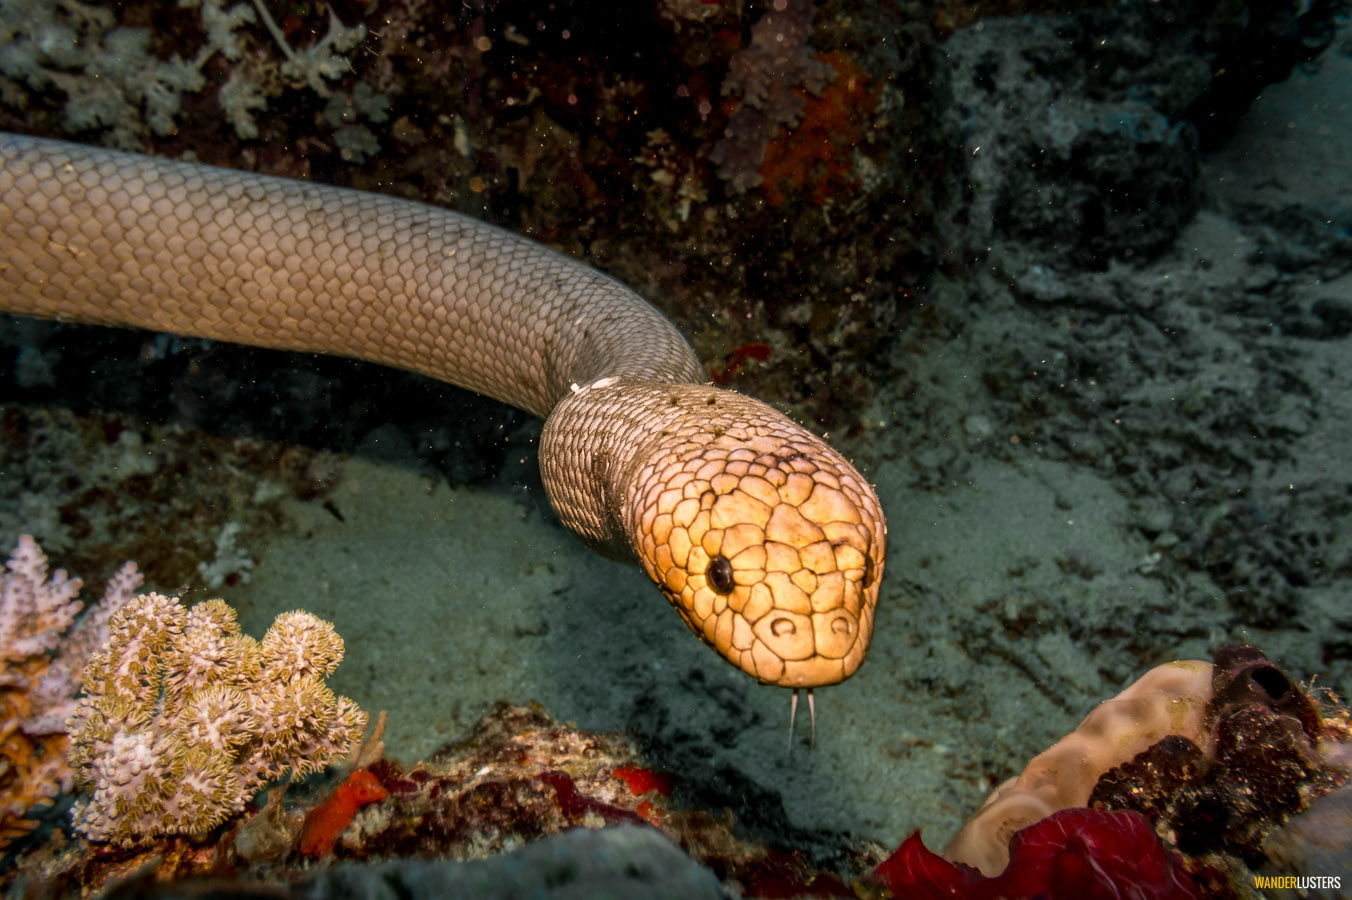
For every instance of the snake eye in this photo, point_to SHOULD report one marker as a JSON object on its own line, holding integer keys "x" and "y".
{"x": 719, "y": 574}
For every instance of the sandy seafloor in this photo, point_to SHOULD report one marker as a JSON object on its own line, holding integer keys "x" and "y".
{"x": 1027, "y": 578}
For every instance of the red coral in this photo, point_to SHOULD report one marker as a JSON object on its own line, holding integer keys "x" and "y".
{"x": 817, "y": 157}
{"x": 326, "y": 821}
{"x": 643, "y": 781}
{"x": 575, "y": 805}
{"x": 1075, "y": 854}
{"x": 732, "y": 364}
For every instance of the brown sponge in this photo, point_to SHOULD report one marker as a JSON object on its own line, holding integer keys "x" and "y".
{"x": 1170, "y": 699}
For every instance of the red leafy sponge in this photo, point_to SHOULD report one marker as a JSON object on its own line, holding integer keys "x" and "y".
{"x": 1075, "y": 854}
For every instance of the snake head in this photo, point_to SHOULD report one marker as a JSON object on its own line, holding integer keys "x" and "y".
{"x": 770, "y": 546}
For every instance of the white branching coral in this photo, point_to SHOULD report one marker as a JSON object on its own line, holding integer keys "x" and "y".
{"x": 35, "y": 608}
{"x": 185, "y": 718}
{"x": 38, "y": 686}
{"x": 51, "y": 693}
{"x": 115, "y": 82}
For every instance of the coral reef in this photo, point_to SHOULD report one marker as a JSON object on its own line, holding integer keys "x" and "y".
{"x": 41, "y": 659}
{"x": 1217, "y": 757}
{"x": 108, "y": 74}
{"x": 520, "y": 776}
{"x": 185, "y": 718}
{"x": 1168, "y": 700}
{"x": 816, "y": 158}
{"x": 1087, "y": 148}
{"x": 517, "y": 777}
{"x": 1267, "y": 752}
{"x": 328, "y": 820}
{"x": 767, "y": 80}
{"x": 103, "y": 466}
{"x": 114, "y": 80}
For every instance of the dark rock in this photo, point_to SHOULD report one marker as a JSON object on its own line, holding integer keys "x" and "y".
{"x": 624, "y": 861}
{"x": 1317, "y": 843}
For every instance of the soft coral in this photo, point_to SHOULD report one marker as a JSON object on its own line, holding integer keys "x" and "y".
{"x": 1075, "y": 854}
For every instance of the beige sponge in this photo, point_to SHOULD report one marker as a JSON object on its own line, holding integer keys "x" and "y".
{"x": 1169, "y": 699}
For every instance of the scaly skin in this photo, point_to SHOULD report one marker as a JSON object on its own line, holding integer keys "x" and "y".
{"x": 768, "y": 542}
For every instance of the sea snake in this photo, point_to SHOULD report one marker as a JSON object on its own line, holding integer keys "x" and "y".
{"x": 766, "y": 540}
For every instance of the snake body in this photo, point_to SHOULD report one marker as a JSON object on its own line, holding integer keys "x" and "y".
{"x": 766, "y": 540}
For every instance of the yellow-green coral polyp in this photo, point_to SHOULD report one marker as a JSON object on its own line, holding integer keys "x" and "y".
{"x": 185, "y": 718}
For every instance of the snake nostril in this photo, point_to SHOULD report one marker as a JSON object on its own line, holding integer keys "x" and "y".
{"x": 719, "y": 574}
{"x": 841, "y": 625}
{"x": 782, "y": 627}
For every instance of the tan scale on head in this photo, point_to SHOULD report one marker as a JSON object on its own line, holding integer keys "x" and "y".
{"x": 771, "y": 550}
